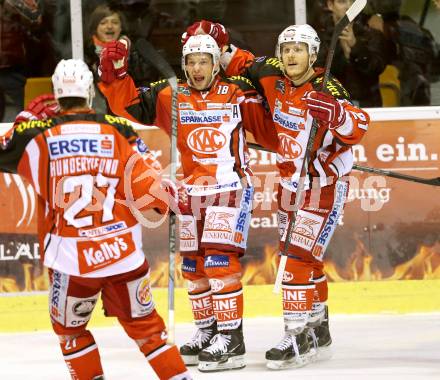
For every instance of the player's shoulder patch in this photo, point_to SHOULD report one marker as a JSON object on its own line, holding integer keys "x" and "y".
{"x": 34, "y": 124}
{"x": 333, "y": 87}
{"x": 159, "y": 83}
{"x": 123, "y": 125}
{"x": 267, "y": 66}
{"x": 243, "y": 82}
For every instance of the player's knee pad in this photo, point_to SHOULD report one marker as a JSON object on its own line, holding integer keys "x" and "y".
{"x": 298, "y": 291}
{"x": 193, "y": 271}
{"x": 199, "y": 291}
{"x": 144, "y": 327}
{"x": 218, "y": 264}
{"x": 224, "y": 273}
{"x": 81, "y": 355}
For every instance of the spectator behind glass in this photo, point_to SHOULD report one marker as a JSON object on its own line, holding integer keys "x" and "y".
{"x": 410, "y": 48}
{"x": 359, "y": 55}
{"x": 104, "y": 25}
{"x": 144, "y": 19}
{"x": 15, "y": 25}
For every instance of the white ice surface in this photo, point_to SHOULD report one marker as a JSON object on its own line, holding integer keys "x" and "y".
{"x": 388, "y": 347}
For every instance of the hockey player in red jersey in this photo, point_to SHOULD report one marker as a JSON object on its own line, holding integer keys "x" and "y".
{"x": 77, "y": 162}
{"x": 212, "y": 111}
{"x": 293, "y": 90}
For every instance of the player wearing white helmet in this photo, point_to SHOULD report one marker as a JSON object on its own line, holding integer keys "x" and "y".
{"x": 201, "y": 61}
{"x": 76, "y": 161}
{"x": 293, "y": 89}
{"x": 213, "y": 112}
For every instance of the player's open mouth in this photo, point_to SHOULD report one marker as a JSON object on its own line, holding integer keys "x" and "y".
{"x": 110, "y": 34}
{"x": 199, "y": 79}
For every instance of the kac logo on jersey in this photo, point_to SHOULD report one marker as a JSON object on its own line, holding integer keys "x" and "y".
{"x": 290, "y": 148}
{"x": 206, "y": 140}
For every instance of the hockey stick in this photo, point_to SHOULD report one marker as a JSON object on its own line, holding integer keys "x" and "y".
{"x": 149, "y": 53}
{"x": 352, "y": 12}
{"x": 405, "y": 177}
{"x": 367, "y": 169}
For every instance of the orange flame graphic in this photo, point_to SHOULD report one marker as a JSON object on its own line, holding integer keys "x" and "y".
{"x": 360, "y": 267}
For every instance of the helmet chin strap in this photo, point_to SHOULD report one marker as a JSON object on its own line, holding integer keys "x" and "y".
{"x": 91, "y": 96}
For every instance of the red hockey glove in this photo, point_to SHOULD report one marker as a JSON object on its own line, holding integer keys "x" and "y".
{"x": 325, "y": 108}
{"x": 214, "y": 29}
{"x": 178, "y": 197}
{"x": 42, "y": 107}
{"x": 114, "y": 60}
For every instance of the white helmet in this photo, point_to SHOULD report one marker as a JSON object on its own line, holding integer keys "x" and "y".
{"x": 202, "y": 43}
{"x": 299, "y": 33}
{"x": 72, "y": 78}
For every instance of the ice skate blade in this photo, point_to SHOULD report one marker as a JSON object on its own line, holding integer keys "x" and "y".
{"x": 292, "y": 363}
{"x": 234, "y": 362}
{"x": 190, "y": 360}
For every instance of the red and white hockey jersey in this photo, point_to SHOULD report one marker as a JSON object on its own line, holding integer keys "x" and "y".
{"x": 331, "y": 156}
{"x": 83, "y": 168}
{"x": 210, "y": 132}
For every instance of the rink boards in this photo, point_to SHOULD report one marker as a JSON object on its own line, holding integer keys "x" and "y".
{"x": 29, "y": 312}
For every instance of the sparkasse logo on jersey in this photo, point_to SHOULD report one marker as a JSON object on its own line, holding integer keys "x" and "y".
{"x": 80, "y": 145}
{"x": 201, "y": 117}
{"x": 291, "y": 122}
{"x": 206, "y": 140}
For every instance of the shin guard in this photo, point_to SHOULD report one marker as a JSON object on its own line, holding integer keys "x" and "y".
{"x": 298, "y": 290}
{"x": 224, "y": 272}
{"x": 167, "y": 363}
{"x": 81, "y": 356}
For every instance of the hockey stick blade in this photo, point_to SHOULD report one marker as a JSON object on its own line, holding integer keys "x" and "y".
{"x": 355, "y": 9}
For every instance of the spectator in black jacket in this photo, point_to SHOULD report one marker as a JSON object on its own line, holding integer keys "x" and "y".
{"x": 359, "y": 57}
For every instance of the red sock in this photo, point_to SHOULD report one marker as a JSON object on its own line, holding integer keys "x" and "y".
{"x": 82, "y": 357}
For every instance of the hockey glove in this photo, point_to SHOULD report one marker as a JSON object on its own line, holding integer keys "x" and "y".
{"x": 42, "y": 107}
{"x": 178, "y": 197}
{"x": 214, "y": 29}
{"x": 325, "y": 108}
{"x": 113, "y": 61}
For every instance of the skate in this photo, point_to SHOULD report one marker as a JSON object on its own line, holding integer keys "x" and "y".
{"x": 320, "y": 339}
{"x": 225, "y": 352}
{"x": 190, "y": 351}
{"x": 292, "y": 352}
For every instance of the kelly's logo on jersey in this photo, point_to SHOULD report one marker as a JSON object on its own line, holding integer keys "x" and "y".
{"x": 94, "y": 255}
{"x": 290, "y": 148}
{"x": 81, "y": 145}
{"x": 206, "y": 140}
